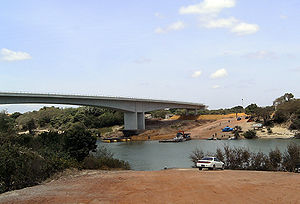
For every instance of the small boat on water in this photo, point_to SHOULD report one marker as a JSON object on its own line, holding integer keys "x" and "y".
{"x": 180, "y": 137}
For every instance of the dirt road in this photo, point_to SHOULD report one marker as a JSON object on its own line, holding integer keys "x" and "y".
{"x": 166, "y": 186}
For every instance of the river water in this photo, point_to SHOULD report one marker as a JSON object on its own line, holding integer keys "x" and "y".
{"x": 152, "y": 155}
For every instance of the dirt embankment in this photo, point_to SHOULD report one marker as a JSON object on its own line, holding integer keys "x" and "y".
{"x": 166, "y": 186}
{"x": 167, "y": 129}
{"x": 204, "y": 129}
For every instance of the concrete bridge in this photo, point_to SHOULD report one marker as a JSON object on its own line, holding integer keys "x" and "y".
{"x": 134, "y": 109}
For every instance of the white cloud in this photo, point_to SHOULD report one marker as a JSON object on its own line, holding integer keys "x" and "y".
{"x": 220, "y": 23}
{"x": 207, "y": 7}
{"x": 261, "y": 54}
{"x": 9, "y": 55}
{"x": 283, "y": 16}
{"x": 196, "y": 74}
{"x": 245, "y": 28}
{"x": 215, "y": 86}
{"x": 209, "y": 10}
{"x": 236, "y": 26}
{"x": 178, "y": 25}
{"x": 219, "y": 74}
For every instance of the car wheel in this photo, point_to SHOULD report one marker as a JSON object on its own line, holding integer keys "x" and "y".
{"x": 223, "y": 167}
{"x": 200, "y": 168}
{"x": 214, "y": 167}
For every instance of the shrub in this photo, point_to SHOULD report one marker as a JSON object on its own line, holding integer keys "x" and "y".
{"x": 269, "y": 130}
{"x": 19, "y": 167}
{"x": 78, "y": 141}
{"x": 236, "y": 158}
{"x": 259, "y": 161}
{"x": 250, "y": 134}
{"x": 103, "y": 160}
{"x": 219, "y": 154}
{"x": 196, "y": 155}
{"x": 291, "y": 157}
{"x": 275, "y": 159}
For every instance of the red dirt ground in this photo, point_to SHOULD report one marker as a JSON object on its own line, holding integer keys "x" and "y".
{"x": 166, "y": 186}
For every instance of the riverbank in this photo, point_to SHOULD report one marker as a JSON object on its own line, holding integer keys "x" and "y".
{"x": 171, "y": 186}
{"x": 204, "y": 129}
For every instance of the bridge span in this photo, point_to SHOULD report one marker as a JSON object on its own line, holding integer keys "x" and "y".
{"x": 134, "y": 109}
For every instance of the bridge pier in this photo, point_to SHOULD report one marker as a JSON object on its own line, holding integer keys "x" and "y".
{"x": 134, "y": 121}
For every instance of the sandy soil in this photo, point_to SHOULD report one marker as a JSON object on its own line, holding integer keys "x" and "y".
{"x": 166, "y": 186}
{"x": 208, "y": 130}
{"x": 204, "y": 129}
{"x": 167, "y": 129}
{"x": 277, "y": 132}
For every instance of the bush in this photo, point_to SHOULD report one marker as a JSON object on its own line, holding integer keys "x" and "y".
{"x": 78, "y": 141}
{"x": 259, "y": 162}
{"x": 196, "y": 155}
{"x": 19, "y": 167}
{"x": 250, "y": 134}
{"x": 219, "y": 154}
{"x": 104, "y": 160}
{"x": 236, "y": 158}
{"x": 241, "y": 158}
{"x": 275, "y": 159}
{"x": 269, "y": 130}
{"x": 291, "y": 157}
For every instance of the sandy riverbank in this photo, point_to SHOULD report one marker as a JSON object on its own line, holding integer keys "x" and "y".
{"x": 165, "y": 186}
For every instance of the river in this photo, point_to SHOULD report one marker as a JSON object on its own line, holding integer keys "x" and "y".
{"x": 152, "y": 155}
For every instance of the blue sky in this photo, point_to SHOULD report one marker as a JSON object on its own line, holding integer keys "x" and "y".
{"x": 208, "y": 51}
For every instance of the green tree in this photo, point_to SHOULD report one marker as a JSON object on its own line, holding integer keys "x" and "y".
{"x": 264, "y": 113}
{"x": 30, "y": 125}
{"x": 282, "y": 99}
{"x": 78, "y": 141}
{"x": 236, "y": 131}
{"x": 6, "y": 123}
{"x": 250, "y": 134}
{"x": 250, "y": 109}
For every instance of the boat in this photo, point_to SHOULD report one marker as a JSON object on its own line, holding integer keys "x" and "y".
{"x": 180, "y": 137}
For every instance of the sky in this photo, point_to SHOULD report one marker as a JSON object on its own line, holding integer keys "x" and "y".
{"x": 215, "y": 52}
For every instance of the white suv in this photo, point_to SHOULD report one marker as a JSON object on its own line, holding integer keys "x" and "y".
{"x": 210, "y": 163}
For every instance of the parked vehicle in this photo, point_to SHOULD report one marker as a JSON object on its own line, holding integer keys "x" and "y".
{"x": 239, "y": 118}
{"x": 210, "y": 163}
{"x": 227, "y": 129}
{"x": 297, "y": 168}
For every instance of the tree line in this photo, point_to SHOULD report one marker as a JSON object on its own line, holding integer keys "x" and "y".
{"x": 28, "y": 159}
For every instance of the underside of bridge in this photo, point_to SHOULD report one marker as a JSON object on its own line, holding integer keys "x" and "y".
{"x": 134, "y": 109}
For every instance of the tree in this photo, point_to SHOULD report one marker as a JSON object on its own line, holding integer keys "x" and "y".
{"x": 250, "y": 109}
{"x": 30, "y": 125}
{"x": 236, "y": 131}
{"x": 282, "y": 99}
{"x": 6, "y": 123}
{"x": 196, "y": 155}
{"x": 264, "y": 113}
{"x": 78, "y": 141}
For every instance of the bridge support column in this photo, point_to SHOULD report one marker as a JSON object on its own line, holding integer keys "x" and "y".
{"x": 130, "y": 121}
{"x": 134, "y": 121}
{"x": 141, "y": 120}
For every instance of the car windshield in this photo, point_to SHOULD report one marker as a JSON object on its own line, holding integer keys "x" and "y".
{"x": 207, "y": 158}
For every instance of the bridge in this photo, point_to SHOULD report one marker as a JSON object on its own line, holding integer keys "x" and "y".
{"x": 134, "y": 109}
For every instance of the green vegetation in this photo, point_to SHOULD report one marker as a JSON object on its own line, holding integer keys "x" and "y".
{"x": 250, "y": 134}
{"x": 28, "y": 159}
{"x": 61, "y": 119}
{"x": 242, "y": 158}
